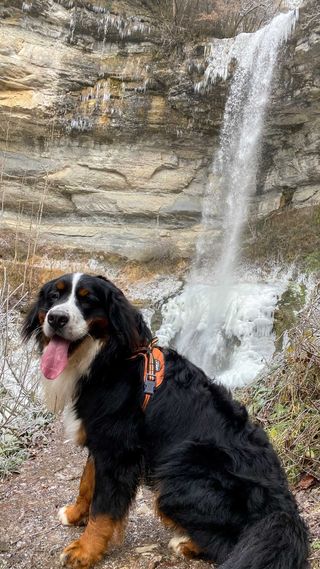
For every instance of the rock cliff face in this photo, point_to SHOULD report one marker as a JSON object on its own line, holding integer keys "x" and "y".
{"x": 104, "y": 137}
{"x": 290, "y": 165}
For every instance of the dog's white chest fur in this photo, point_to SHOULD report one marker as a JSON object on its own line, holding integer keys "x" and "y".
{"x": 59, "y": 392}
{"x": 72, "y": 425}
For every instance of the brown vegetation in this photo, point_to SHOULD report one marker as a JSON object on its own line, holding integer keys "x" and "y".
{"x": 286, "y": 401}
{"x": 179, "y": 19}
{"x": 287, "y": 235}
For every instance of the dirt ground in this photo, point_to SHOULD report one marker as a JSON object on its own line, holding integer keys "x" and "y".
{"x": 32, "y": 537}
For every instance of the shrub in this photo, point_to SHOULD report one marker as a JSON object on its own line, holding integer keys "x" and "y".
{"x": 21, "y": 413}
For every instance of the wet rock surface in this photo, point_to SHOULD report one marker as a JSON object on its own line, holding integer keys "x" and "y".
{"x": 290, "y": 165}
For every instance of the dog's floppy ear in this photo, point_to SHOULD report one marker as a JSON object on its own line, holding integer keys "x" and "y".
{"x": 31, "y": 324}
{"x": 31, "y": 321}
{"x": 122, "y": 318}
{"x": 127, "y": 326}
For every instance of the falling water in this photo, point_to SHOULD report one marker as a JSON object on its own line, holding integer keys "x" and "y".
{"x": 235, "y": 164}
{"x": 225, "y": 326}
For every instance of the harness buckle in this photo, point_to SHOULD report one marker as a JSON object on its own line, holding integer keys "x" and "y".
{"x": 150, "y": 384}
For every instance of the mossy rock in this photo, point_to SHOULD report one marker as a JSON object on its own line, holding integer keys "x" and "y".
{"x": 285, "y": 316}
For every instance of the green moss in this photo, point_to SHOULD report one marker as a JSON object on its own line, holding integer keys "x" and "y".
{"x": 312, "y": 262}
{"x": 290, "y": 303}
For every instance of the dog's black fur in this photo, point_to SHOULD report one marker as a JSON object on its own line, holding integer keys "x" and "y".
{"x": 215, "y": 473}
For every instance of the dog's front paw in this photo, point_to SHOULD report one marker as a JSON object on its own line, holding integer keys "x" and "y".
{"x": 78, "y": 555}
{"x": 71, "y": 516}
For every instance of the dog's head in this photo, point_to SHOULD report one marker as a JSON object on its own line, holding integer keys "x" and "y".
{"x": 75, "y": 306}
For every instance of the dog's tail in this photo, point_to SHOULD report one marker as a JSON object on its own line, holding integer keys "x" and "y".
{"x": 278, "y": 541}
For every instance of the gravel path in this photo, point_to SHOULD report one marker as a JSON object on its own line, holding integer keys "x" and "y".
{"x": 31, "y": 536}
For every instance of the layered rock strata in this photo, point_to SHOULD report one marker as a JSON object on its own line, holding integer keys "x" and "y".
{"x": 104, "y": 138}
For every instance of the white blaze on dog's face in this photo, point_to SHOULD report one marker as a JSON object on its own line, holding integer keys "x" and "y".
{"x": 65, "y": 317}
{"x": 70, "y": 310}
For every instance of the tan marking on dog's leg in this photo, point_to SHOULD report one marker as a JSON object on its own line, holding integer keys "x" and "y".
{"x": 189, "y": 549}
{"x": 94, "y": 542}
{"x": 119, "y": 532}
{"x": 75, "y": 514}
{"x": 168, "y": 522}
{"x": 182, "y": 545}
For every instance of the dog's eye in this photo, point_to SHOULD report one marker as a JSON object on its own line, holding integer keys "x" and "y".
{"x": 54, "y": 295}
{"x": 89, "y": 300}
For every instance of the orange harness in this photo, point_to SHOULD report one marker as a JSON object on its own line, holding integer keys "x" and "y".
{"x": 153, "y": 374}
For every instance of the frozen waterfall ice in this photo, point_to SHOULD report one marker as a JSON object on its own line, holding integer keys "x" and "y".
{"x": 225, "y": 325}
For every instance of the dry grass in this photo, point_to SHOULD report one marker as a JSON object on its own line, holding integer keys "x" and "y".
{"x": 181, "y": 20}
{"x": 286, "y": 401}
{"x": 292, "y": 235}
{"x": 26, "y": 264}
{"x": 135, "y": 271}
{"x": 27, "y": 272}
{"x": 22, "y": 416}
{"x": 20, "y": 260}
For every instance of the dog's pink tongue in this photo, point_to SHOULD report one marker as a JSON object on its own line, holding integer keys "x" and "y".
{"x": 55, "y": 357}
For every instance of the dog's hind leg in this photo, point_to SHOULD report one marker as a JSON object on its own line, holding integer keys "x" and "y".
{"x": 195, "y": 534}
{"x": 184, "y": 546}
{"x": 197, "y": 494}
{"x": 181, "y": 543}
{"x": 76, "y": 514}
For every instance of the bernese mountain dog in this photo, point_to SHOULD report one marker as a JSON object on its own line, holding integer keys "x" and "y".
{"x": 218, "y": 483}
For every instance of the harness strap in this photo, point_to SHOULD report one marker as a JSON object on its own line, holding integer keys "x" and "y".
{"x": 153, "y": 374}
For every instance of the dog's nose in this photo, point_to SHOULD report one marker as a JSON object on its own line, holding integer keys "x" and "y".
{"x": 57, "y": 319}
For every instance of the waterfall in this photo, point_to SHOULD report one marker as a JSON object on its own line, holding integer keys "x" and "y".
{"x": 222, "y": 323}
